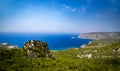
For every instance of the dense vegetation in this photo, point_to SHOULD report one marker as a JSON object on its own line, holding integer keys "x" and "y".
{"x": 104, "y": 58}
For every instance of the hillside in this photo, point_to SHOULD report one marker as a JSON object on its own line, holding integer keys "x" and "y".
{"x": 93, "y": 57}
{"x": 100, "y": 35}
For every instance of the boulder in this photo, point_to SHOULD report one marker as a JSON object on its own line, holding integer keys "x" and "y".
{"x": 36, "y": 48}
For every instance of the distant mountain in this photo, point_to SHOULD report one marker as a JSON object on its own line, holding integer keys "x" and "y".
{"x": 100, "y": 35}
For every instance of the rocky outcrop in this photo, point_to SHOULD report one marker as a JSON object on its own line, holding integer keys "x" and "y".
{"x": 85, "y": 56}
{"x": 100, "y": 35}
{"x": 7, "y": 45}
{"x": 36, "y": 48}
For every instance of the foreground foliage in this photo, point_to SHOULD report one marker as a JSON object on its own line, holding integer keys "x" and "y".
{"x": 105, "y": 58}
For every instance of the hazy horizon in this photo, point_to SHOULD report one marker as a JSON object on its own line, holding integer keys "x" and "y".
{"x": 59, "y": 16}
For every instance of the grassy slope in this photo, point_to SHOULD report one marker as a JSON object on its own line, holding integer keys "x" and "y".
{"x": 104, "y": 58}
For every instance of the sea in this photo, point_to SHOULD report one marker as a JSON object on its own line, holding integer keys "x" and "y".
{"x": 55, "y": 41}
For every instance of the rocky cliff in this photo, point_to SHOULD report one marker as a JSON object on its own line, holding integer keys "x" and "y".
{"x": 100, "y": 35}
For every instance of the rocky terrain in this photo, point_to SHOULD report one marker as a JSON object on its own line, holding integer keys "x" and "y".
{"x": 36, "y": 48}
{"x": 101, "y": 49}
{"x": 7, "y": 45}
{"x": 100, "y": 35}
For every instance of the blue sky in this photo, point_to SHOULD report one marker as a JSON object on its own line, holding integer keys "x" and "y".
{"x": 59, "y": 16}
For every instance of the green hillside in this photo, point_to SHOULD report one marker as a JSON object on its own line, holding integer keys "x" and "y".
{"x": 99, "y": 55}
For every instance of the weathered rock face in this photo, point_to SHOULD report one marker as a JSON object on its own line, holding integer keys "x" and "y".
{"x": 36, "y": 48}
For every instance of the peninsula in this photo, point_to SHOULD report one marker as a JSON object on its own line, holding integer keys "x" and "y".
{"x": 100, "y": 35}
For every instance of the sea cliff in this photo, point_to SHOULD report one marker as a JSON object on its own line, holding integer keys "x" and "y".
{"x": 100, "y": 35}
